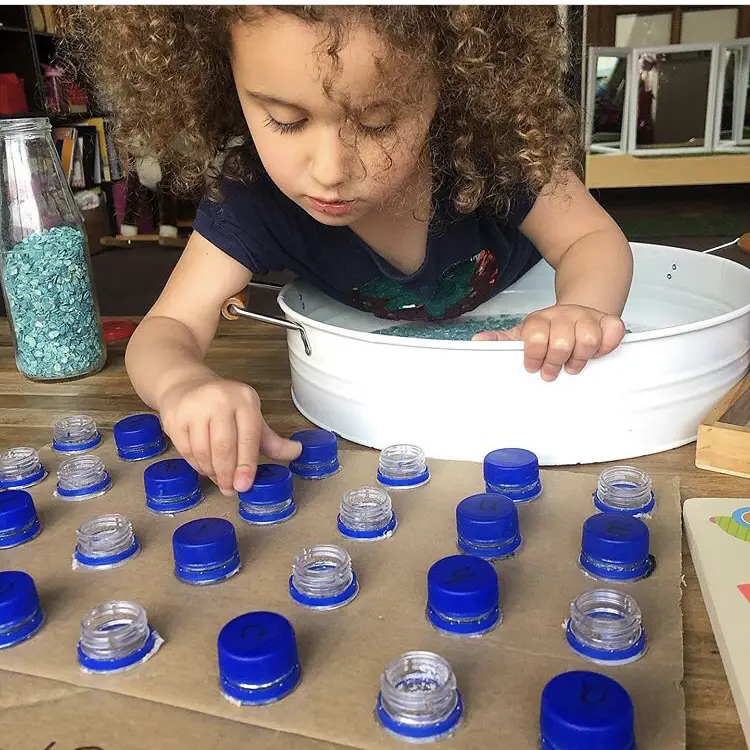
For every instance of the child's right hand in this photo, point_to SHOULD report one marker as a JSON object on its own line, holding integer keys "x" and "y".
{"x": 217, "y": 426}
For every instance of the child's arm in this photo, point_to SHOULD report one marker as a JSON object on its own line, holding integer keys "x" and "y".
{"x": 594, "y": 267}
{"x": 215, "y": 424}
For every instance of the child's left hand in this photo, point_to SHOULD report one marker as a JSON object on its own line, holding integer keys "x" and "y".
{"x": 562, "y": 336}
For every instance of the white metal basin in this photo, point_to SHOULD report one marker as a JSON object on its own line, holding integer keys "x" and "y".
{"x": 690, "y": 314}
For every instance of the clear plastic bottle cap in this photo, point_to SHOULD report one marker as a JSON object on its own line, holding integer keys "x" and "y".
{"x": 19, "y": 522}
{"x": 586, "y": 711}
{"x": 463, "y": 596}
{"x": 403, "y": 466}
{"x": 116, "y": 636}
{"x": 105, "y": 542}
{"x": 366, "y": 514}
{"x": 419, "y": 700}
{"x": 319, "y": 457}
{"x": 271, "y": 498}
{"x": 20, "y": 468}
{"x": 82, "y": 478}
{"x": 205, "y": 551}
{"x": 138, "y": 437}
{"x": 513, "y": 472}
{"x": 625, "y": 489}
{"x": 615, "y": 547}
{"x": 258, "y": 660}
{"x": 605, "y": 627}
{"x": 487, "y": 526}
{"x": 171, "y": 486}
{"x": 322, "y": 577}
{"x": 21, "y": 613}
{"x": 75, "y": 434}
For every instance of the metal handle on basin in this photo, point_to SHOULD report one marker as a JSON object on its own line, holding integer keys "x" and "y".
{"x": 235, "y": 307}
{"x": 743, "y": 243}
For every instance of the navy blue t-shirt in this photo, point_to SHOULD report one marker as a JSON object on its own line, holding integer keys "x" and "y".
{"x": 469, "y": 257}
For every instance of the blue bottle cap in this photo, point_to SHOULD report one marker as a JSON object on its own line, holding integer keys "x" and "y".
{"x": 19, "y": 522}
{"x": 258, "y": 661}
{"x": 171, "y": 486}
{"x": 487, "y": 526}
{"x": 513, "y": 472}
{"x": 21, "y": 613}
{"x": 205, "y": 551}
{"x": 319, "y": 457}
{"x": 463, "y": 596}
{"x": 615, "y": 546}
{"x": 270, "y": 500}
{"x": 586, "y": 711}
{"x": 139, "y": 436}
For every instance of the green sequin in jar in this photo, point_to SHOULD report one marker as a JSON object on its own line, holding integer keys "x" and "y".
{"x": 45, "y": 266}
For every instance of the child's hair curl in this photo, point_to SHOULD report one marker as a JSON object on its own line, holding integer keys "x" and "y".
{"x": 502, "y": 119}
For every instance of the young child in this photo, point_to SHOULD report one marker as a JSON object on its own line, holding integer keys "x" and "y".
{"x": 411, "y": 161}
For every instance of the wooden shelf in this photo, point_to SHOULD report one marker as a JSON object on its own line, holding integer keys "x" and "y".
{"x": 625, "y": 170}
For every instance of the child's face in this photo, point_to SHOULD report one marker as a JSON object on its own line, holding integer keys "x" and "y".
{"x": 337, "y": 168}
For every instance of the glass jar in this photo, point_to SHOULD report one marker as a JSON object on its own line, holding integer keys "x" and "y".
{"x": 45, "y": 266}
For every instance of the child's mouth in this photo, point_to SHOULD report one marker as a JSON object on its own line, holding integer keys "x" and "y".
{"x": 332, "y": 208}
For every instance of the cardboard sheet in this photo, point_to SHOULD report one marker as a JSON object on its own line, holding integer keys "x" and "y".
{"x": 718, "y": 532}
{"x": 343, "y": 652}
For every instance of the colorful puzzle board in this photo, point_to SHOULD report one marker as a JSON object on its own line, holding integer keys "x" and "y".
{"x": 718, "y": 532}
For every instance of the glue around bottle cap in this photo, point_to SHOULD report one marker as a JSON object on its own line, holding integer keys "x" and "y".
{"x": 322, "y": 578}
{"x": 205, "y": 551}
{"x": 319, "y": 456}
{"x": 116, "y": 636}
{"x": 270, "y": 500}
{"x": 605, "y": 627}
{"x": 82, "y": 478}
{"x": 105, "y": 542}
{"x": 258, "y": 660}
{"x": 463, "y": 596}
{"x": 419, "y": 700}
{"x": 487, "y": 526}
{"x": 586, "y": 711}
{"x": 20, "y": 468}
{"x": 171, "y": 486}
{"x": 624, "y": 489}
{"x": 75, "y": 434}
{"x": 615, "y": 547}
{"x": 19, "y": 522}
{"x": 138, "y": 437}
{"x": 21, "y": 613}
{"x": 403, "y": 466}
{"x": 513, "y": 472}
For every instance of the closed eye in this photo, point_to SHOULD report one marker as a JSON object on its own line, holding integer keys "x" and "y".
{"x": 284, "y": 127}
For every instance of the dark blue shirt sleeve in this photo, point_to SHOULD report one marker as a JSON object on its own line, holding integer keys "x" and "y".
{"x": 237, "y": 226}
{"x": 521, "y": 202}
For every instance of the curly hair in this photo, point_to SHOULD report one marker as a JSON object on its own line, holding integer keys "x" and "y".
{"x": 502, "y": 120}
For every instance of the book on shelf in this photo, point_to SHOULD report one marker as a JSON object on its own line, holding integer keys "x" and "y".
{"x": 87, "y": 153}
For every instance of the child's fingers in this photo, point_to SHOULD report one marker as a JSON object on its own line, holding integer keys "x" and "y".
{"x": 560, "y": 347}
{"x": 248, "y": 440}
{"x": 200, "y": 448}
{"x": 613, "y": 331}
{"x": 588, "y": 334}
{"x": 180, "y": 438}
{"x": 223, "y": 435}
{"x": 535, "y": 333}
{"x": 276, "y": 447}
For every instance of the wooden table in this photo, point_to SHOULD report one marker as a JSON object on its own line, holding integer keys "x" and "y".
{"x": 257, "y": 354}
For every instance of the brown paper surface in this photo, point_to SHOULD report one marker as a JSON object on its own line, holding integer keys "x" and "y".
{"x": 343, "y": 652}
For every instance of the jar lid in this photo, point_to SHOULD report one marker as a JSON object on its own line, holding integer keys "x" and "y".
{"x": 171, "y": 485}
{"x": 615, "y": 539}
{"x": 319, "y": 456}
{"x": 118, "y": 330}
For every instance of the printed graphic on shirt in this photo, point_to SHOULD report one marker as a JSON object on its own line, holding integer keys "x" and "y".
{"x": 461, "y": 287}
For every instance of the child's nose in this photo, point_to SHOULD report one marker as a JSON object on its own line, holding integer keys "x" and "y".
{"x": 332, "y": 163}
